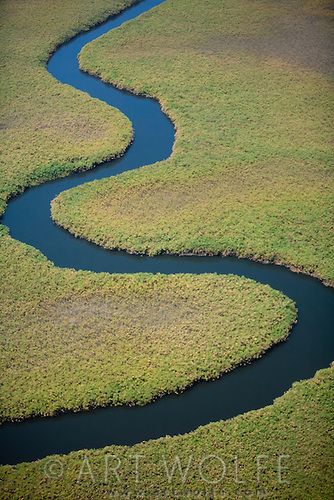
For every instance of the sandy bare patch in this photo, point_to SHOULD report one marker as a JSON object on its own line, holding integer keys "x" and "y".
{"x": 305, "y": 40}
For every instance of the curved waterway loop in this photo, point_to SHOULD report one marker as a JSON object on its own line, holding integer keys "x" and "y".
{"x": 310, "y": 346}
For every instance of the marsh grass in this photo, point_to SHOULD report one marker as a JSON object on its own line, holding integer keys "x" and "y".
{"x": 298, "y": 425}
{"x": 73, "y": 340}
{"x": 52, "y": 319}
{"x": 48, "y": 130}
{"x": 61, "y": 328}
{"x": 251, "y": 172}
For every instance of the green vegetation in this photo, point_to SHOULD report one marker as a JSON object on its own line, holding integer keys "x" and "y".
{"x": 123, "y": 339}
{"x": 53, "y": 320}
{"x": 251, "y": 172}
{"x": 66, "y": 336}
{"x": 47, "y": 129}
{"x": 299, "y": 425}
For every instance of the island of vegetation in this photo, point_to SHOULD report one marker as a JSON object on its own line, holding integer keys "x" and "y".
{"x": 74, "y": 340}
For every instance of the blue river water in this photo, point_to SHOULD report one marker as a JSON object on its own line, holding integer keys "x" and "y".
{"x": 309, "y": 347}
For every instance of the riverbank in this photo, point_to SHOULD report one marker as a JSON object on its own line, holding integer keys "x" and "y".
{"x": 78, "y": 340}
{"x": 67, "y": 296}
{"x": 257, "y": 159}
{"x": 48, "y": 130}
{"x": 282, "y": 451}
{"x": 37, "y": 364}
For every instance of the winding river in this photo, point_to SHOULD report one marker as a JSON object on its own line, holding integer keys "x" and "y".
{"x": 309, "y": 347}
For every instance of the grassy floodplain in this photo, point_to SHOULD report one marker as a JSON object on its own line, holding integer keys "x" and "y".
{"x": 48, "y": 130}
{"x": 248, "y": 86}
{"x": 126, "y": 338}
{"x": 34, "y": 293}
{"x": 299, "y": 424}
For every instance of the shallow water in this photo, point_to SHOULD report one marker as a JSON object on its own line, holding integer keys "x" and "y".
{"x": 310, "y": 346}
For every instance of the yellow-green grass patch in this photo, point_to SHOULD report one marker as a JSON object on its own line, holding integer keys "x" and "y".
{"x": 73, "y": 340}
{"x": 34, "y": 292}
{"x": 48, "y": 129}
{"x": 279, "y": 452}
{"x": 251, "y": 172}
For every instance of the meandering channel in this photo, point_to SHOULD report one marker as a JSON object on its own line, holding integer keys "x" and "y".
{"x": 310, "y": 346}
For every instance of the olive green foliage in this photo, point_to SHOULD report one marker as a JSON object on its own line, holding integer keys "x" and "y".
{"x": 62, "y": 331}
{"x": 251, "y": 98}
{"x": 298, "y": 427}
{"x": 74, "y": 340}
{"x": 47, "y": 129}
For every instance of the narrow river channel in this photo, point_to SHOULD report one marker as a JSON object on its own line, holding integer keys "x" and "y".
{"x": 309, "y": 347}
